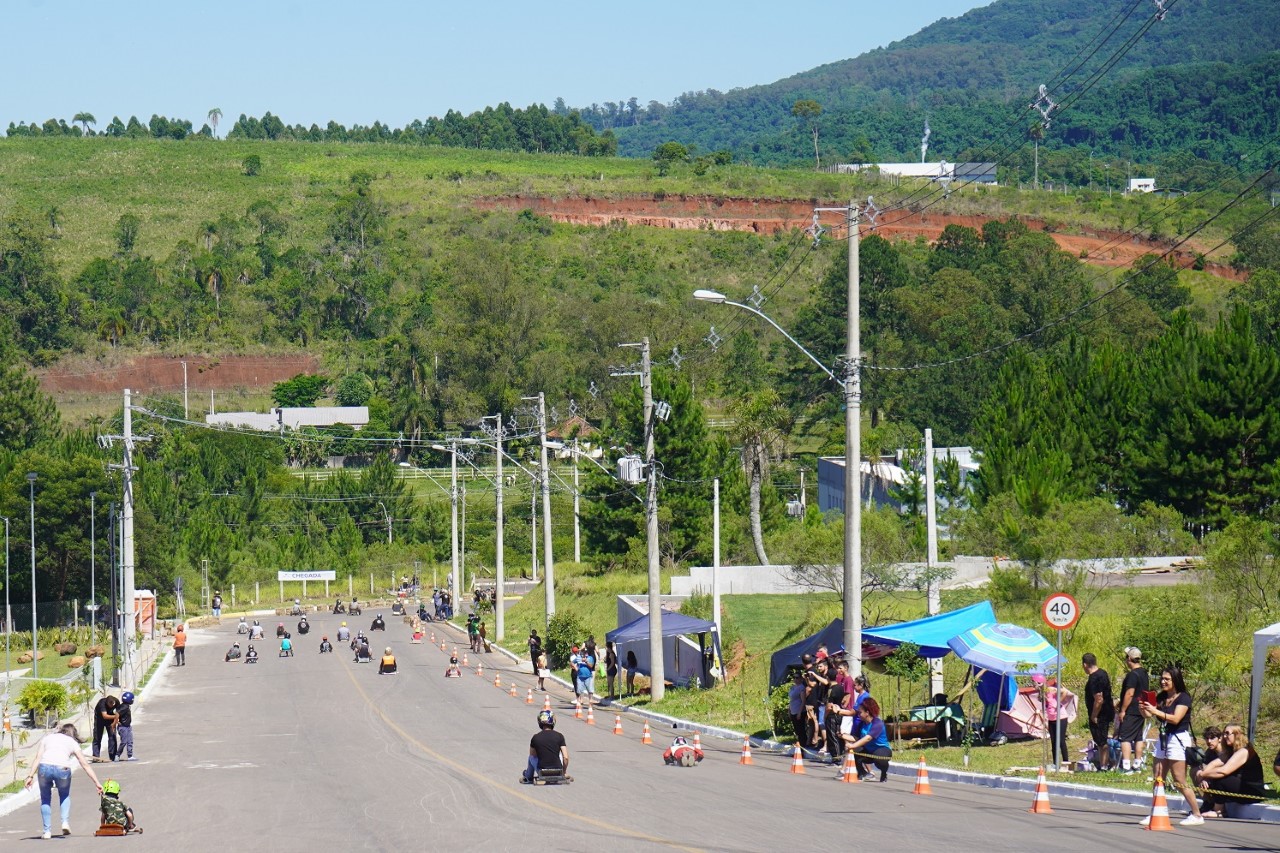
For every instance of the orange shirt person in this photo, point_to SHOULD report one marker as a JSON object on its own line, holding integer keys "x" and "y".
{"x": 180, "y": 647}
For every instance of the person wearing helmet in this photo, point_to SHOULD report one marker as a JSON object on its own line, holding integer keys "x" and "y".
{"x": 124, "y": 727}
{"x": 233, "y": 653}
{"x": 363, "y": 655}
{"x": 388, "y": 664}
{"x": 326, "y": 647}
{"x": 286, "y": 646}
{"x": 378, "y": 624}
{"x": 256, "y": 632}
{"x": 114, "y": 812}
{"x": 339, "y": 607}
{"x": 280, "y": 630}
{"x": 303, "y": 625}
{"x": 453, "y": 671}
{"x": 251, "y": 656}
{"x": 243, "y": 627}
{"x": 344, "y": 633}
{"x": 682, "y": 753}
{"x": 297, "y": 608}
{"x": 547, "y": 749}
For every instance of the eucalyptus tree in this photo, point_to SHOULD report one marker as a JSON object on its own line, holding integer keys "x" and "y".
{"x": 760, "y": 423}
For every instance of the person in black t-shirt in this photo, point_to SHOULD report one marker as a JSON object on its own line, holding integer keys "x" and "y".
{"x": 1100, "y": 707}
{"x": 547, "y": 749}
{"x": 1129, "y": 719}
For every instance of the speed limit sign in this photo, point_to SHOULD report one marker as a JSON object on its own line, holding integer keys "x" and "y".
{"x": 1060, "y": 611}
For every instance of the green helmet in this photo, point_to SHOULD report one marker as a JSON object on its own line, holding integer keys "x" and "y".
{"x": 111, "y": 786}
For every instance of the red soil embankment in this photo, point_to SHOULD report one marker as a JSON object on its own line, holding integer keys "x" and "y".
{"x": 155, "y": 373}
{"x": 771, "y": 215}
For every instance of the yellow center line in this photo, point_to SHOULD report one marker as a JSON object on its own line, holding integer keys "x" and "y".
{"x": 444, "y": 759}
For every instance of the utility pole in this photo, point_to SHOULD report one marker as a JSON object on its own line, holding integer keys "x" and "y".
{"x": 453, "y": 509}
{"x": 853, "y": 461}
{"x": 533, "y": 528}
{"x": 35, "y": 647}
{"x": 657, "y": 674}
{"x": 93, "y": 571}
{"x": 186, "y": 410}
{"x": 715, "y": 555}
{"x": 499, "y": 564}
{"x": 577, "y": 517}
{"x": 126, "y": 524}
{"x": 115, "y": 605}
{"x": 931, "y": 554}
{"x": 548, "y": 567}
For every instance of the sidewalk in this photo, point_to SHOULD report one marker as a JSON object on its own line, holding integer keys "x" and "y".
{"x": 82, "y": 717}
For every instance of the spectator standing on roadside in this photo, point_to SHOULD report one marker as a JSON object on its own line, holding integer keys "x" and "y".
{"x": 535, "y": 647}
{"x": 1056, "y": 698}
{"x": 52, "y": 765}
{"x": 1172, "y": 711}
{"x": 610, "y": 665}
{"x": 180, "y": 647}
{"x": 1099, "y": 706}
{"x": 632, "y": 663}
{"x": 541, "y": 669}
{"x": 124, "y": 728}
{"x": 105, "y": 717}
{"x": 216, "y": 605}
{"x": 1129, "y": 719}
{"x": 795, "y": 705}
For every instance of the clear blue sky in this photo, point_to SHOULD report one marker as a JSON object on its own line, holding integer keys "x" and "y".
{"x": 356, "y": 61}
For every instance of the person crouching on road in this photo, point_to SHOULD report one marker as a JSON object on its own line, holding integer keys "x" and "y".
{"x": 870, "y": 746}
{"x": 453, "y": 671}
{"x": 388, "y": 663}
{"x": 326, "y": 647}
{"x": 286, "y": 647}
{"x": 233, "y": 653}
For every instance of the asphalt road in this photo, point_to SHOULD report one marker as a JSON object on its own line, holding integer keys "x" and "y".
{"x": 317, "y": 752}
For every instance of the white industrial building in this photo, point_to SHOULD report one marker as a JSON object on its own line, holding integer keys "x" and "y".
{"x": 355, "y": 417}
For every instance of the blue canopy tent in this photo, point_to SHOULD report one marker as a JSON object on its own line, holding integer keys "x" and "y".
{"x": 674, "y": 625}
{"x": 930, "y": 634}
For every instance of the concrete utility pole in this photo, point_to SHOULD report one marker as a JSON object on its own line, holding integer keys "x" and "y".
{"x": 931, "y": 555}
{"x": 499, "y": 565}
{"x": 186, "y": 409}
{"x": 577, "y": 517}
{"x": 126, "y": 525}
{"x": 657, "y": 674}
{"x": 853, "y": 460}
{"x": 35, "y": 646}
{"x": 548, "y": 565}
{"x": 453, "y": 510}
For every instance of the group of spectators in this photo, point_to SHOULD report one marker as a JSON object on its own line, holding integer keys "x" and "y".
{"x": 584, "y": 663}
{"x": 1229, "y": 770}
{"x": 834, "y": 713}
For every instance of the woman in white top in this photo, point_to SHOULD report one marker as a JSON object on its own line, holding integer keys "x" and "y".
{"x": 53, "y": 766}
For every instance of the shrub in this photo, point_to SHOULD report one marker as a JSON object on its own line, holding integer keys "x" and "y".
{"x": 252, "y": 165}
{"x": 43, "y": 697}
{"x": 564, "y": 631}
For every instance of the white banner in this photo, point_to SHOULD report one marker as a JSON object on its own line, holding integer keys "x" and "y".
{"x": 305, "y": 576}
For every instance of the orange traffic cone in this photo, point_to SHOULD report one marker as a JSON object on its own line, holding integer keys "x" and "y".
{"x": 480, "y": 668}
{"x": 645, "y": 737}
{"x": 797, "y": 761}
{"x": 546, "y": 702}
{"x": 617, "y": 724}
{"x": 497, "y": 681}
{"x": 1159, "y": 818}
{"x": 746, "y": 751}
{"x": 433, "y": 638}
{"x": 528, "y": 699}
{"x": 849, "y": 773}
{"x": 513, "y": 690}
{"x": 591, "y": 714}
{"x": 697, "y": 742}
{"x": 922, "y": 779}
{"x": 1040, "y": 805}
{"x": 442, "y": 645}
{"x": 464, "y": 659}
{"x": 577, "y": 708}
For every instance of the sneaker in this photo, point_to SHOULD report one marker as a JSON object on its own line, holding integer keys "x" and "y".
{"x": 66, "y": 829}
{"x": 1146, "y": 821}
{"x": 1191, "y": 820}
{"x": 46, "y": 834}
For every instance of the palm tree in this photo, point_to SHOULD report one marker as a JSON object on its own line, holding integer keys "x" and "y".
{"x": 84, "y": 120}
{"x": 214, "y": 115}
{"x": 759, "y": 420}
{"x": 113, "y": 327}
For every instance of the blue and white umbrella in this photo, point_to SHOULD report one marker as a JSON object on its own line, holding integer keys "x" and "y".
{"x": 1006, "y": 649}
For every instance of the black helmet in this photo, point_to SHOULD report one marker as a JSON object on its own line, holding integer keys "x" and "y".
{"x": 546, "y": 718}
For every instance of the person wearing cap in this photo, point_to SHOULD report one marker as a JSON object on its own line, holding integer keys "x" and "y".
{"x": 388, "y": 664}
{"x": 1129, "y": 720}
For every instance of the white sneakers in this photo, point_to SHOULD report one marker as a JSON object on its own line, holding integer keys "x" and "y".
{"x": 1146, "y": 821}
{"x": 1191, "y": 820}
{"x": 66, "y": 829}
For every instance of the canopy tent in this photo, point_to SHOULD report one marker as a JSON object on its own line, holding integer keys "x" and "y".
{"x": 930, "y": 634}
{"x": 673, "y": 625}
{"x": 1269, "y": 636}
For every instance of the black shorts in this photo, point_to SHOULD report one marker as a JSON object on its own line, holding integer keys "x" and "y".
{"x": 1130, "y": 730}
{"x": 1100, "y": 732}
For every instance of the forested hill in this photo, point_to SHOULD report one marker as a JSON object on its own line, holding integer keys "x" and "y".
{"x": 971, "y": 75}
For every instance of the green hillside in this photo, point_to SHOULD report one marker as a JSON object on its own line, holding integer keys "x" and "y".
{"x": 973, "y": 76}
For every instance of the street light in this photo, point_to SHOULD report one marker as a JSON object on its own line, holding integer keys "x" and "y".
{"x": 851, "y": 388}
{"x": 8, "y": 614}
{"x": 35, "y": 665}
